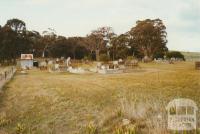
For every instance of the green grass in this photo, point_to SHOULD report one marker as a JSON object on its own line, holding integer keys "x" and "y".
{"x": 63, "y": 103}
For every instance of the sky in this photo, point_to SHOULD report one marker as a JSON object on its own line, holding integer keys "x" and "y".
{"x": 79, "y": 17}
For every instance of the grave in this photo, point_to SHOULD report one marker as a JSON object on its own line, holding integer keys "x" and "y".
{"x": 130, "y": 64}
{"x": 116, "y": 67}
{"x": 43, "y": 65}
{"x": 59, "y": 65}
{"x": 109, "y": 68}
{"x": 76, "y": 70}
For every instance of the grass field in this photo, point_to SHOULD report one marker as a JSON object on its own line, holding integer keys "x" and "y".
{"x": 63, "y": 103}
{"x": 195, "y": 56}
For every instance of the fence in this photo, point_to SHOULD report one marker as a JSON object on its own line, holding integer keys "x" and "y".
{"x": 6, "y": 75}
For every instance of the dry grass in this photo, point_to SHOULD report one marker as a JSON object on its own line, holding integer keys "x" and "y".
{"x": 63, "y": 103}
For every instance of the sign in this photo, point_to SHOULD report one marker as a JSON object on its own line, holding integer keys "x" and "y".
{"x": 26, "y": 56}
{"x": 182, "y": 115}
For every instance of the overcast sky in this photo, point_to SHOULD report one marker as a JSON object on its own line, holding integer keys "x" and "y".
{"x": 79, "y": 17}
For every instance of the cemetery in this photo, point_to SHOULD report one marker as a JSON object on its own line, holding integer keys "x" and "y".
{"x": 55, "y": 90}
{"x": 64, "y": 88}
{"x": 67, "y": 71}
{"x": 74, "y": 66}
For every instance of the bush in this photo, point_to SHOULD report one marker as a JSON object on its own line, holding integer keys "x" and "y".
{"x": 175, "y": 54}
{"x": 159, "y": 55}
{"x": 80, "y": 52}
{"x": 130, "y": 58}
{"x": 104, "y": 57}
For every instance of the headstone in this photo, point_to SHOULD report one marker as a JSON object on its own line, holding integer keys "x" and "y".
{"x": 68, "y": 61}
{"x": 115, "y": 62}
{"x": 56, "y": 66}
{"x": 76, "y": 70}
{"x": 120, "y": 60}
{"x": 50, "y": 62}
{"x": 43, "y": 64}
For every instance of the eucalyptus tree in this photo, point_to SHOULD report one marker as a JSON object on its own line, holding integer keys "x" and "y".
{"x": 8, "y": 47}
{"x": 149, "y": 36}
{"x": 16, "y": 25}
{"x": 48, "y": 38}
{"x": 99, "y": 40}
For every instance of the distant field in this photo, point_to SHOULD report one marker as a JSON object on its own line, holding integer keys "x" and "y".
{"x": 63, "y": 103}
{"x": 195, "y": 56}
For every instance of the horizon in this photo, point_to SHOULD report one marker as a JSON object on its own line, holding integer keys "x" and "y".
{"x": 181, "y": 22}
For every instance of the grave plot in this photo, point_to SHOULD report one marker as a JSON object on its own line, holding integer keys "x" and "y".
{"x": 65, "y": 65}
{"x": 116, "y": 67}
{"x": 110, "y": 68}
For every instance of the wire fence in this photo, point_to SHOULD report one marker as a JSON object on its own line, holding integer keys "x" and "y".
{"x": 6, "y": 75}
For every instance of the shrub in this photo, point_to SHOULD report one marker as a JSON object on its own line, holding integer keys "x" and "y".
{"x": 104, "y": 57}
{"x": 159, "y": 55}
{"x": 87, "y": 57}
{"x": 130, "y": 58}
{"x": 175, "y": 54}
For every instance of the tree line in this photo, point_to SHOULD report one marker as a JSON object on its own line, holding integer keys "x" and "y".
{"x": 147, "y": 39}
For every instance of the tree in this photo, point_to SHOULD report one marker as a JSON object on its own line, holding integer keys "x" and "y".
{"x": 74, "y": 43}
{"x": 68, "y": 47}
{"x": 8, "y": 48}
{"x": 35, "y": 41}
{"x": 175, "y": 54}
{"x": 48, "y": 39}
{"x": 149, "y": 36}
{"x": 99, "y": 40}
{"x": 60, "y": 48}
{"x": 120, "y": 46}
{"x": 16, "y": 25}
{"x": 15, "y": 40}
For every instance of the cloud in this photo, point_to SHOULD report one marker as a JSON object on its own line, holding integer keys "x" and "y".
{"x": 190, "y": 17}
{"x": 79, "y": 17}
{"x": 37, "y": 2}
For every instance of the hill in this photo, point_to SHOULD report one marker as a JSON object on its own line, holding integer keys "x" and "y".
{"x": 191, "y": 56}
